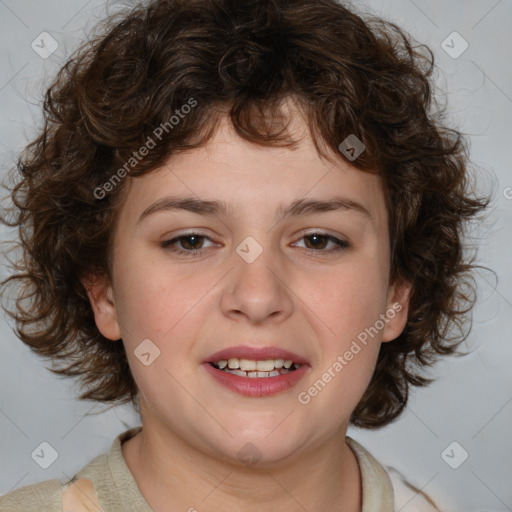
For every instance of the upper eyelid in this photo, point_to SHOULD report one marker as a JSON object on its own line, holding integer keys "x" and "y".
{"x": 198, "y": 233}
{"x": 311, "y": 231}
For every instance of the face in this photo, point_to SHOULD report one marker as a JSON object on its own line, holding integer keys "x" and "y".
{"x": 250, "y": 282}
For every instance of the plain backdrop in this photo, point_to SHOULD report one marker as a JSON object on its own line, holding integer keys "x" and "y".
{"x": 470, "y": 403}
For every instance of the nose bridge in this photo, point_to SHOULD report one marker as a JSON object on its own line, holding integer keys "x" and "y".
{"x": 256, "y": 289}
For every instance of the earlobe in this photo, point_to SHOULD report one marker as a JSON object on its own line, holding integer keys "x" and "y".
{"x": 397, "y": 310}
{"x": 101, "y": 297}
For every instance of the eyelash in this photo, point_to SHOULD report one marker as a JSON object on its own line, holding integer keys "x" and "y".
{"x": 342, "y": 244}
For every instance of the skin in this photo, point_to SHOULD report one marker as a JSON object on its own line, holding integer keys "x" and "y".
{"x": 311, "y": 301}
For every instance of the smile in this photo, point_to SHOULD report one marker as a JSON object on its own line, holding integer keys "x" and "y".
{"x": 256, "y": 369}
{"x": 256, "y": 378}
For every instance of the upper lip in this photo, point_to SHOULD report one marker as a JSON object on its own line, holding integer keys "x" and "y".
{"x": 255, "y": 353}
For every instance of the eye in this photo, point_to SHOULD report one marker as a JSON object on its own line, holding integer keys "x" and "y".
{"x": 318, "y": 242}
{"x": 191, "y": 244}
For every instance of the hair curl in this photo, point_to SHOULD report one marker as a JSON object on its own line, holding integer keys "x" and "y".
{"x": 241, "y": 59}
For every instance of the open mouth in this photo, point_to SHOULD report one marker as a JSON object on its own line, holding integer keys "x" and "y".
{"x": 256, "y": 369}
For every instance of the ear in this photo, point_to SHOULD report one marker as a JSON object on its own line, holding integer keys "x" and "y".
{"x": 101, "y": 296}
{"x": 397, "y": 309}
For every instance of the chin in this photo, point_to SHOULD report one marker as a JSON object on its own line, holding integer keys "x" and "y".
{"x": 263, "y": 448}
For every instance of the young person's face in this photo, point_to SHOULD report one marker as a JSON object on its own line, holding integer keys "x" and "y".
{"x": 299, "y": 295}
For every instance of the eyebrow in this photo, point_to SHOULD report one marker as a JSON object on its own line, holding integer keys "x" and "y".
{"x": 296, "y": 208}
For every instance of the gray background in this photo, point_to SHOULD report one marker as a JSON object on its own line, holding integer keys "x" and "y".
{"x": 469, "y": 403}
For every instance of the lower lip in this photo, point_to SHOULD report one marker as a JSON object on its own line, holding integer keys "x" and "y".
{"x": 253, "y": 386}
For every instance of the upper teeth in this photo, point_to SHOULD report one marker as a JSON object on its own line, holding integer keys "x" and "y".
{"x": 248, "y": 365}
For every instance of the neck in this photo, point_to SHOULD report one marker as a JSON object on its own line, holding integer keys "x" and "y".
{"x": 173, "y": 475}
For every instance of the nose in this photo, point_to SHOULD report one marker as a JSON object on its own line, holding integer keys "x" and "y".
{"x": 257, "y": 291}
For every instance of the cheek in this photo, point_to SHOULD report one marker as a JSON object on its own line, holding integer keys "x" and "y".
{"x": 345, "y": 305}
{"x": 348, "y": 300}
{"x": 165, "y": 307}
{"x": 154, "y": 300}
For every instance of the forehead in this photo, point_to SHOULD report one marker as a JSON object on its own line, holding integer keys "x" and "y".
{"x": 243, "y": 178}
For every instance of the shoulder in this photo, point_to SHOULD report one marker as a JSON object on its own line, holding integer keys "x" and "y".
{"x": 45, "y": 496}
{"x": 386, "y": 489}
{"x": 407, "y": 493}
{"x": 80, "y": 496}
{"x": 376, "y": 486}
{"x": 94, "y": 484}
{"x": 51, "y": 496}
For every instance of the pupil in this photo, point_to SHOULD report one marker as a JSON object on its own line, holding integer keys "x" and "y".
{"x": 197, "y": 239}
{"x": 316, "y": 237}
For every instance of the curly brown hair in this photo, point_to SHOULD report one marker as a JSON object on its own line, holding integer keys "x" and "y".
{"x": 350, "y": 73}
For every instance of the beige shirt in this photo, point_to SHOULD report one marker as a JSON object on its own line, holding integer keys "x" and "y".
{"x": 107, "y": 485}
